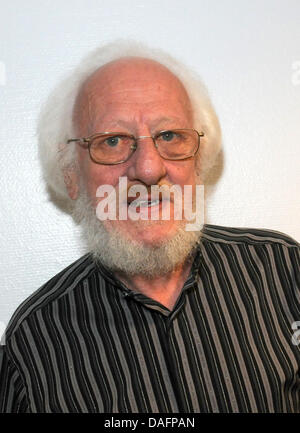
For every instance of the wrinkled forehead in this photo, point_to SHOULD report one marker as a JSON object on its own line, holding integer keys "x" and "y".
{"x": 129, "y": 78}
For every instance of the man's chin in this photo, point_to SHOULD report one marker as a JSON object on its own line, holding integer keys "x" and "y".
{"x": 151, "y": 234}
{"x": 150, "y": 256}
{"x": 149, "y": 248}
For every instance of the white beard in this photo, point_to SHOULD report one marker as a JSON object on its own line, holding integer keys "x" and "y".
{"x": 120, "y": 254}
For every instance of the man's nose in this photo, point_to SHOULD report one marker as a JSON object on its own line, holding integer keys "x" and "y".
{"x": 146, "y": 164}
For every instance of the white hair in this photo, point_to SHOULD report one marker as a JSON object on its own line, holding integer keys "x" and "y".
{"x": 55, "y": 124}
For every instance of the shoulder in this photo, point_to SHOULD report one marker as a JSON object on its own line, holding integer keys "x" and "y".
{"x": 258, "y": 254}
{"x": 60, "y": 285}
{"x": 273, "y": 251}
{"x": 240, "y": 235}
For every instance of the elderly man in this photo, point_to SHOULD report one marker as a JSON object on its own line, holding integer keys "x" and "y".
{"x": 155, "y": 317}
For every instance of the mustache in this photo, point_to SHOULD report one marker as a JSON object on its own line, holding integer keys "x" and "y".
{"x": 125, "y": 192}
{"x": 161, "y": 191}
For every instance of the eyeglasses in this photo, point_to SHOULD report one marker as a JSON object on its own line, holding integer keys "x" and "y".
{"x": 111, "y": 148}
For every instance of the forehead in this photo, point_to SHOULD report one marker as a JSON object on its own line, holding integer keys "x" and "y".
{"x": 131, "y": 87}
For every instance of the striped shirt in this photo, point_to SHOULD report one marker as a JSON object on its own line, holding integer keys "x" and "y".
{"x": 84, "y": 342}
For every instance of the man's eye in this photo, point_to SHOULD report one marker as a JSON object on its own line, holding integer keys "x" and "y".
{"x": 113, "y": 141}
{"x": 167, "y": 136}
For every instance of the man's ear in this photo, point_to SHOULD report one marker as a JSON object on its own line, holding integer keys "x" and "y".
{"x": 71, "y": 182}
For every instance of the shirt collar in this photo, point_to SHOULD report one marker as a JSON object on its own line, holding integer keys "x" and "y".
{"x": 190, "y": 282}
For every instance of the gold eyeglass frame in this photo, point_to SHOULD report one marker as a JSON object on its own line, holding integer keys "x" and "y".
{"x": 86, "y": 142}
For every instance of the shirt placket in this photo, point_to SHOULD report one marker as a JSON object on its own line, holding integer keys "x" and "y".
{"x": 171, "y": 347}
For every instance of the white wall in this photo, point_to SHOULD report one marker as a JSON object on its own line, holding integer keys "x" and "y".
{"x": 248, "y": 54}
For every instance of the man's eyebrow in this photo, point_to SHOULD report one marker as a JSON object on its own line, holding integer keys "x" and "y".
{"x": 163, "y": 120}
{"x": 119, "y": 124}
{"x": 153, "y": 125}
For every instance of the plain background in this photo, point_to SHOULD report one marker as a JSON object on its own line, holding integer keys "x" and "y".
{"x": 246, "y": 51}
